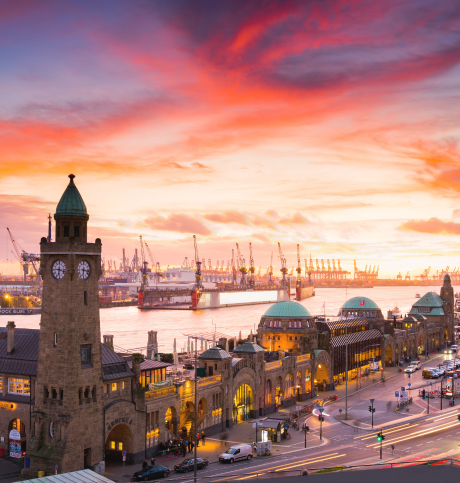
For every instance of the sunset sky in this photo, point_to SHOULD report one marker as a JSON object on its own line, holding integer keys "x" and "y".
{"x": 333, "y": 124}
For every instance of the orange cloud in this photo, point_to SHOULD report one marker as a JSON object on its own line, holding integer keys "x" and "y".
{"x": 227, "y": 217}
{"x": 296, "y": 219}
{"x": 433, "y": 226}
{"x": 178, "y": 223}
{"x": 263, "y": 222}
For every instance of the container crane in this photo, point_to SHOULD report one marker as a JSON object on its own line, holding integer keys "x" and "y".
{"x": 144, "y": 267}
{"x": 251, "y": 267}
{"x": 298, "y": 269}
{"x": 152, "y": 258}
{"x": 199, "y": 283}
{"x": 283, "y": 269}
{"x": 24, "y": 258}
{"x": 242, "y": 268}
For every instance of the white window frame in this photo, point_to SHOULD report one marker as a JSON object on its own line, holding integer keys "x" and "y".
{"x": 14, "y": 381}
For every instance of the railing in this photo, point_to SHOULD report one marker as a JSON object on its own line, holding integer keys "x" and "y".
{"x": 160, "y": 392}
{"x": 205, "y": 381}
{"x": 303, "y": 357}
{"x": 273, "y": 365}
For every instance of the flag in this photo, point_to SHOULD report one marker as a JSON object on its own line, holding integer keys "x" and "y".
{"x": 362, "y": 303}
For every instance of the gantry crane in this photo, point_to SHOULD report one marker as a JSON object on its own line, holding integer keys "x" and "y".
{"x": 283, "y": 269}
{"x": 152, "y": 258}
{"x": 298, "y": 269}
{"x": 242, "y": 268}
{"x": 25, "y": 258}
{"x": 251, "y": 267}
{"x": 199, "y": 283}
{"x": 144, "y": 267}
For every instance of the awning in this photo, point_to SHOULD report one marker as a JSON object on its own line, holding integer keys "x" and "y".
{"x": 82, "y": 476}
{"x": 269, "y": 423}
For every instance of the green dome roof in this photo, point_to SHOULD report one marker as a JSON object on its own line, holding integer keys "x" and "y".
{"x": 446, "y": 277}
{"x": 71, "y": 203}
{"x": 287, "y": 310}
{"x": 360, "y": 303}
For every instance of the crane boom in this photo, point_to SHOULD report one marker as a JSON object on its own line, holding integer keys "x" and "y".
{"x": 199, "y": 283}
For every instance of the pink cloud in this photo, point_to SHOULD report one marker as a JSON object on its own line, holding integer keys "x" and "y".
{"x": 433, "y": 226}
{"x": 227, "y": 217}
{"x": 178, "y": 223}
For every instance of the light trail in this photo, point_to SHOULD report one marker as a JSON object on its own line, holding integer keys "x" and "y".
{"x": 391, "y": 431}
{"x": 414, "y": 435}
{"x": 286, "y": 467}
{"x": 375, "y": 433}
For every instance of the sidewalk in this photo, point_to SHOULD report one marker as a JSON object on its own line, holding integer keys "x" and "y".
{"x": 240, "y": 433}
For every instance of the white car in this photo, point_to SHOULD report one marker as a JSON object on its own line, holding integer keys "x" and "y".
{"x": 410, "y": 369}
{"x": 416, "y": 364}
{"x": 237, "y": 452}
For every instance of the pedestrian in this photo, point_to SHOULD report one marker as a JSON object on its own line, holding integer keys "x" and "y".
{"x": 203, "y": 436}
{"x": 184, "y": 448}
{"x": 197, "y": 439}
{"x": 144, "y": 464}
{"x": 189, "y": 446}
{"x": 192, "y": 445}
{"x": 153, "y": 462}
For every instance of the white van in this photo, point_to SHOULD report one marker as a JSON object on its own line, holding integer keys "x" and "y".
{"x": 454, "y": 348}
{"x": 236, "y": 453}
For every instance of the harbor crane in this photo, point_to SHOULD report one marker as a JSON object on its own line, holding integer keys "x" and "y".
{"x": 283, "y": 269}
{"x": 234, "y": 275}
{"x": 199, "y": 283}
{"x": 270, "y": 270}
{"x": 144, "y": 267}
{"x": 25, "y": 259}
{"x": 152, "y": 258}
{"x": 251, "y": 267}
{"x": 242, "y": 268}
{"x": 298, "y": 269}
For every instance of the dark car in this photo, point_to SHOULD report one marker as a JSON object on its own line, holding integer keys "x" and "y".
{"x": 151, "y": 473}
{"x": 189, "y": 464}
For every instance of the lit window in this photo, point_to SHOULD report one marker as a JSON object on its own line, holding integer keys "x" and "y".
{"x": 271, "y": 323}
{"x": 123, "y": 384}
{"x": 105, "y": 388}
{"x": 114, "y": 386}
{"x": 1, "y": 383}
{"x": 295, "y": 324}
{"x": 120, "y": 446}
{"x": 112, "y": 445}
{"x": 18, "y": 386}
{"x": 290, "y": 323}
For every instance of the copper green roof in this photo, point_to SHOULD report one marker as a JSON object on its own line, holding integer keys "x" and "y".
{"x": 215, "y": 353}
{"x": 446, "y": 277}
{"x": 71, "y": 203}
{"x": 360, "y": 303}
{"x": 287, "y": 310}
{"x": 249, "y": 346}
{"x": 430, "y": 304}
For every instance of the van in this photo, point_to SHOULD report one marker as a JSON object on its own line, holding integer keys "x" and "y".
{"x": 236, "y": 453}
{"x": 454, "y": 348}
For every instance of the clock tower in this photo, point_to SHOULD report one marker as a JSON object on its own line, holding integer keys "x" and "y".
{"x": 68, "y": 416}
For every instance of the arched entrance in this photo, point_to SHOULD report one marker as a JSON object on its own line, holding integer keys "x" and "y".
{"x": 243, "y": 403}
{"x": 388, "y": 355}
{"x": 268, "y": 393}
{"x": 289, "y": 386}
{"x": 298, "y": 386}
{"x": 307, "y": 381}
{"x": 16, "y": 438}
{"x": 279, "y": 391}
{"x": 322, "y": 377}
{"x": 187, "y": 415}
{"x": 170, "y": 419}
{"x": 118, "y": 440}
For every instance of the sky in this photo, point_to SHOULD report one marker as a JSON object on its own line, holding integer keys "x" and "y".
{"x": 329, "y": 124}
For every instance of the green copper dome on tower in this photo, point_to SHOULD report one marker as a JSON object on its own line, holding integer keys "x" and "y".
{"x": 71, "y": 202}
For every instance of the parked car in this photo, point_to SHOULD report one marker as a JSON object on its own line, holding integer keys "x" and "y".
{"x": 430, "y": 373}
{"x": 152, "y": 473}
{"x": 189, "y": 464}
{"x": 237, "y": 452}
{"x": 410, "y": 368}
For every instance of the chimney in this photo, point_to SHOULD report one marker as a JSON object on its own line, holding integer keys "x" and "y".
{"x": 10, "y": 337}
{"x": 108, "y": 341}
{"x": 152, "y": 344}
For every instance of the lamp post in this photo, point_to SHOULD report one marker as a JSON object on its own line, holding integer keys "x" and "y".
{"x": 372, "y": 410}
{"x": 196, "y": 338}
{"x": 305, "y": 429}
{"x": 321, "y": 418}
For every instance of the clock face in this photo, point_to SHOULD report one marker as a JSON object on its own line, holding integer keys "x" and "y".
{"x": 58, "y": 269}
{"x": 83, "y": 269}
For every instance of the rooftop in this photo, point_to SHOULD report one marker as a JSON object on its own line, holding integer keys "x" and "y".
{"x": 249, "y": 347}
{"x": 71, "y": 202}
{"x": 430, "y": 299}
{"x": 287, "y": 310}
{"x": 360, "y": 303}
{"x": 215, "y": 353}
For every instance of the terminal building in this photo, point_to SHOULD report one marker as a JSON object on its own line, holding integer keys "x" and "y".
{"x": 71, "y": 402}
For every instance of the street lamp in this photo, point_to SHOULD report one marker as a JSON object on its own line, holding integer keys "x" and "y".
{"x": 196, "y": 339}
{"x": 305, "y": 429}
{"x": 321, "y": 419}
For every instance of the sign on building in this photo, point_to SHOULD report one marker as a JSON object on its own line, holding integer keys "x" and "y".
{"x": 15, "y": 444}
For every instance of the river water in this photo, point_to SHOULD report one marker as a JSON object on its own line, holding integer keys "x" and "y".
{"x": 129, "y": 326}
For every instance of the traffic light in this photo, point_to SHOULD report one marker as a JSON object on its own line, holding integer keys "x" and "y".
{"x": 458, "y": 417}
{"x": 370, "y": 409}
{"x": 380, "y": 437}
{"x": 320, "y": 418}
{"x": 305, "y": 429}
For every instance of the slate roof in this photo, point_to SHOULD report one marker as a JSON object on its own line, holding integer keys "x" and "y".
{"x": 23, "y": 360}
{"x": 356, "y": 337}
{"x": 150, "y": 364}
{"x": 341, "y": 324}
{"x": 215, "y": 353}
{"x": 287, "y": 310}
{"x": 356, "y": 303}
{"x": 249, "y": 347}
{"x": 71, "y": 202}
